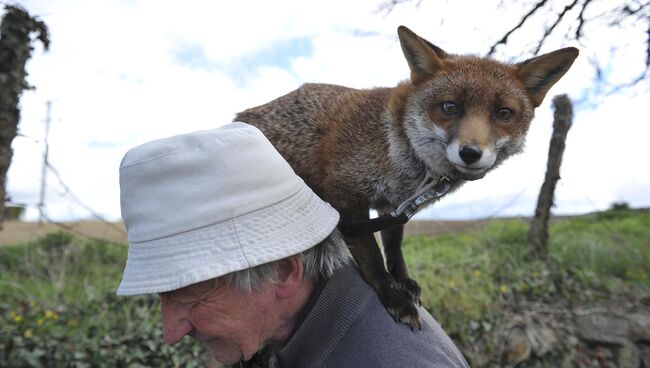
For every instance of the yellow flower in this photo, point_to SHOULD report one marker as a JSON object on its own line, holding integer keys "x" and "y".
{"x": 51, "y": 314}
{"x": 503, "y": 289}
{"x": 32, "y": 303}
{"x": 40, "y": 321}
{"x": 16, "y": 318}
{"x": 27, "y": 333}
{"x": 452, "y": 283}
{"x": 477, "y": 273}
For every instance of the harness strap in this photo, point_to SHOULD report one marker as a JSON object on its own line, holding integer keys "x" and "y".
{"x": 427, "y": 191}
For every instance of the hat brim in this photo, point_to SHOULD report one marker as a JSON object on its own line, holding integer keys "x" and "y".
{"x": 283, "y": 229}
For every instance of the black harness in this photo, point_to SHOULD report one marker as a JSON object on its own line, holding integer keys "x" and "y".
{"x": 427, "y": 191}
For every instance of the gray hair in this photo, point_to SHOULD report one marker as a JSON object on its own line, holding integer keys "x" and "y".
{"x": 318, "y": 261}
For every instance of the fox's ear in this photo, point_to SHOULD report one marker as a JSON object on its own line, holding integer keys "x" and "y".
{"x": 423, "y": 57}
{"x": 540, "y": 73}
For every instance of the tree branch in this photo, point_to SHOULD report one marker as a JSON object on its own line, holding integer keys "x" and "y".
{"x": 389, "y": 6}
{"x": 647, "y": 50}
{"x": 581, "y": 19}
{"x": 504, "y": 39}
{"x": 560, "y": 17}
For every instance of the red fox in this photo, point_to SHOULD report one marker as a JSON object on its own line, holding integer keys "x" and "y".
{"x": 458, "y": 117}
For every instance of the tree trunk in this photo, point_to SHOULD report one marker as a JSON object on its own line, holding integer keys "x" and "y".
{"x": 15, "y": 50}
{"x": 538, "y": 232}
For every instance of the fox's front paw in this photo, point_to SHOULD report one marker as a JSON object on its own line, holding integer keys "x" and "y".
{"x": 412, "y": 288}
{"x": 399, "y": 304}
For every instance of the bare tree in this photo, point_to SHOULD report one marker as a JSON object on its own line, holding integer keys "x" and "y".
{"x": 16, "y": 32}
{"x": 585, "y": 22}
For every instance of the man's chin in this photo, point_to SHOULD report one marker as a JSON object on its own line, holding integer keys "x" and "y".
{"x": 224, "y": 355}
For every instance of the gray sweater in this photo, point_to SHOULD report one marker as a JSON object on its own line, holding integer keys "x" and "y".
{"x": 347, "y": 326}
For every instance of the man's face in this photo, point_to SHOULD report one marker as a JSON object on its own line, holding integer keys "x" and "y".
{"x": 233, "y": 325}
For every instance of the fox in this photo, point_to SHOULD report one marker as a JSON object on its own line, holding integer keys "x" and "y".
{"x": 456, "y": 118}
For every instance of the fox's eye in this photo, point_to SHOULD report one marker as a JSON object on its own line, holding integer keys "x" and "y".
{"x": 503, "y": 113}
{"x": 450, "y": 108}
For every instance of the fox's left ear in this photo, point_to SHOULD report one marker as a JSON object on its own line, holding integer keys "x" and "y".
{"x": 424, "y": 58}
{"x": 540, "y": 73}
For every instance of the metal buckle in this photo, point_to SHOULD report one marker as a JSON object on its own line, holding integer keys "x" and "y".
{"x": 424, "y": 195}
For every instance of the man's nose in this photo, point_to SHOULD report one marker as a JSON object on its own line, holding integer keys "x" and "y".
{"x": 175, "y": 320}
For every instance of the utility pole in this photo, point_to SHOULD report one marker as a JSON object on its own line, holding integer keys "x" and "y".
{"x": 41, "y": 202}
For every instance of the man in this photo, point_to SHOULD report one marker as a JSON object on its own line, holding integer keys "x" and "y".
{"x": 248, "y": 260}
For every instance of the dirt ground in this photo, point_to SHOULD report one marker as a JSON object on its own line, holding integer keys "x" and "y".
{"x": 16, "y": 232}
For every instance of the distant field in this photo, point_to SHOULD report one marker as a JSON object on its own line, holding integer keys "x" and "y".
{"x": 16, "y": 232}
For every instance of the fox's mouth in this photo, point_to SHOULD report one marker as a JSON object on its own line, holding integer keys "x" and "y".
{"x": 470, "y": 173}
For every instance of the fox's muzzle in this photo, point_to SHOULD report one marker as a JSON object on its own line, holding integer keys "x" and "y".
{"x": 470, "y": 153}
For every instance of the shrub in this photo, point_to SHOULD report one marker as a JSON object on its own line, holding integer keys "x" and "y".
{"x": 59, "y": 309}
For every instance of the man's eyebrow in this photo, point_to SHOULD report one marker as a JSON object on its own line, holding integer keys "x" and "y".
{"x": 192, "y": 294}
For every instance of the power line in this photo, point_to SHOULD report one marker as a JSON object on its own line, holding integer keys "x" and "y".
{"x": 48, "y": 166}
{"x": 76, "y": 199}
{"x": 507, "y": 205}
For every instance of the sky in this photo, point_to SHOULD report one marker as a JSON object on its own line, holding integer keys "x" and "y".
{"x": 120, "y": 73}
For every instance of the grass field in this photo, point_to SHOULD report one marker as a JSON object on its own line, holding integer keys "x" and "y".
{"x": 58, "y": 308}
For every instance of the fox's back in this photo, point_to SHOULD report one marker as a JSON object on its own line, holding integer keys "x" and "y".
{"x": 318, "y": 129}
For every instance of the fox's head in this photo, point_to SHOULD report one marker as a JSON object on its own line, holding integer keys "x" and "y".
{"x": 465, "y": 114}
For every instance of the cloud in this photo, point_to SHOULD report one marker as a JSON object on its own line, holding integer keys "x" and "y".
{"x": 120, "y": 73}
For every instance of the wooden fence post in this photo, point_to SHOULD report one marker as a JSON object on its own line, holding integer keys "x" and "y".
{"x": 538, "y": 231}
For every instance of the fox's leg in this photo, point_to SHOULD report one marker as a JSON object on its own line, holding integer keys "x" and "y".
{"x": 391, "y": 239}
{"x": 395, "y": 299}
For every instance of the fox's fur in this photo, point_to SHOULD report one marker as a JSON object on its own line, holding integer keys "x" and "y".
{"x": 457, "y": 116}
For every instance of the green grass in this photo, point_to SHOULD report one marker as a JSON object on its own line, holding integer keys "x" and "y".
{"x": 59, "y": 269}
{"x": 59, "y": 309}
{"x": 58, "y": 306}
{"x": 468, "y": 278}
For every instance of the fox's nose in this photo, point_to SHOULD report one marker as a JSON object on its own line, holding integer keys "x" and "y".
{"x": 470, "y": 153}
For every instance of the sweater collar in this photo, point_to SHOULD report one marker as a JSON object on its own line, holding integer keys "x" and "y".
{"x": 337, "y": 306}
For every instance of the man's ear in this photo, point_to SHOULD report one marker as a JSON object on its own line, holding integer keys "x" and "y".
{"x": 289, "y": 277}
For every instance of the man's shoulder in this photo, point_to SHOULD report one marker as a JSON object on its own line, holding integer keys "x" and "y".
{"x": 347, "y": 326}
{"x": 376, "y": 340}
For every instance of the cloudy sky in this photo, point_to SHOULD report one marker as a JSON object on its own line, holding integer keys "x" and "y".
{"x": 122, "y": 72}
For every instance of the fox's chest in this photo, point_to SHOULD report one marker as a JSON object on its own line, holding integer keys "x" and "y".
{"x": 390, "y": 192}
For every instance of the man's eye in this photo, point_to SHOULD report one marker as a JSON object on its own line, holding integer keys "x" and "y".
{"x": 503, "y": 113}
{"x": 450, "y": 108}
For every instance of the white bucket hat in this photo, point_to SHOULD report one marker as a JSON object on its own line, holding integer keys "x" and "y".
{"x": 200, "y": 205}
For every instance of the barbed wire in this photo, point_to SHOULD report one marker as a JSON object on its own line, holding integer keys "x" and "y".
{"x": 77, "y": 232}
{"x": 71, "y": 228}
{"x": 22, "y": 135}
